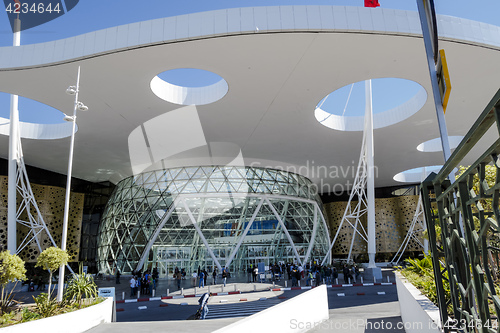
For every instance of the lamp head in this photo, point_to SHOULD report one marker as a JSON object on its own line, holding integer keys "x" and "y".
{"x": 68, "y": 118}
{"x": 82, "y": 107}
{"x": 71, "y": 90}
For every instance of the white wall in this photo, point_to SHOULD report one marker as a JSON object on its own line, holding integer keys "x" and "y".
{"x": 298, "y": 314}
{"x": 419, "y": 314}
{"x": 72, "y": 322}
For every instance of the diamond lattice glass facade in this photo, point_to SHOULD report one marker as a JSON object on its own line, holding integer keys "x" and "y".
{"x": 211, "y": 216}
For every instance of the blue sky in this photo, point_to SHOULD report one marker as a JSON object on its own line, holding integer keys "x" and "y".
{"x": 91, "y": 15}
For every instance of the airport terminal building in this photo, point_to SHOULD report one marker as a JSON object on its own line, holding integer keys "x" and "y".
{"x": 249, "y": 168}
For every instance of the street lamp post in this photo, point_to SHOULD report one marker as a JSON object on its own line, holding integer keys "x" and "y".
{"x": 72, "y": 90}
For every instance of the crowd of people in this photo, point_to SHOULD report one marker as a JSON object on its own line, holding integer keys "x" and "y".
{"x": 312, "y": 274}
{"x": 144, "y": 282}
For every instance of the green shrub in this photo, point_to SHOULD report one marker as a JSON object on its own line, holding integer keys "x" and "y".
{"x": 28, "y": 315}
{"x": 46, "y": 306}
{"x": 420, "y": 273}
{"x": 81, "y": 286}
{"x": 8, "y": 318}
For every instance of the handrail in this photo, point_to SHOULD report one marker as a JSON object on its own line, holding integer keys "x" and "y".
{"x": 476, "y": 132}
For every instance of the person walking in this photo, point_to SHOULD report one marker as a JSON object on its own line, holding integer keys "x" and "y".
{"x": 224, "y": 275}
{"x": 345, "y": 271}
{"x": 118, "y": 276}
{"x": 203, "y": 304}
{"x": 178, "y": 277}
{"x": 132, "y": 286}
{"x": 214, "y": 275}
{"x": 201, "y": 276}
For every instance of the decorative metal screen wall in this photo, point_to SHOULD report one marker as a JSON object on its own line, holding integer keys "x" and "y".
{"x": 468, "y": 214}
{"x": 50, "y": 200}
{"x": 211, "y": 216}
{"x": 393, "y": 216}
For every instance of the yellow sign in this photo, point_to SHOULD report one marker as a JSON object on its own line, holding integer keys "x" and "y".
{"x": 443, "y": 76}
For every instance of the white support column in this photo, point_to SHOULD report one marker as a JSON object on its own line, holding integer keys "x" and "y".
{"x": 240, "y": 241}
{"x": 13, "y": 159}
{"x": 153, "y": 237}
{"x": 313, "y": 236}
{"x": 204, "y": 240}
{"x": 371, "y": 177}
{"x": 328, "y": 256}
{"x": 285, "y": 230}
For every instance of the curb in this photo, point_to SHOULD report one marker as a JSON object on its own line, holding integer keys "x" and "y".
{"x": 147, "y": 299}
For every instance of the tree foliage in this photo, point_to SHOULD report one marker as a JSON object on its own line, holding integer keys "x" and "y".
{"x": 51, "y": 259}
{"x": 11, "y": 269}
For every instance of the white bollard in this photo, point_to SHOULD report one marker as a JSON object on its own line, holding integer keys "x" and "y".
{"x": 374, "y": 280}
{"x": 195, "y": 290}
{"x": 286, "y": 284}
{"x": 324, "y": 281}
{"x": 388, "y": 278}
{"x": 337, "y": 281}
{"x": 153, "y": 293}
{"x": 361, "y": 280}
{"x": 349, "y": 280}
{"x": 123, "y": 295}
{"x": 182, "y": 291}
{"x": 254, "y": 287}
{"x": 138, "y": 294}
{"x": 274, "y": 285}
{"x": 168, "y": 292}
{"x": 209, "y": 289}
{"x": 299, "y": 282}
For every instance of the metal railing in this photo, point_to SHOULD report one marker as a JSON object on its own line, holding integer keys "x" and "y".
{"x": 467, "y": 211}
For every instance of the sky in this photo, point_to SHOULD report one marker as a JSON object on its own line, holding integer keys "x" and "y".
{"x": 92, "y": 15}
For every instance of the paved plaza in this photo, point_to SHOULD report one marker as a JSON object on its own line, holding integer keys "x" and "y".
{"x": 358, "y": 308}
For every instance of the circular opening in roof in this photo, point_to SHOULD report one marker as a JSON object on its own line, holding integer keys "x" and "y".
{"x": 189, "y": 86}
{"x": 393, "y": 100}
{"x": 36, "y": 120}
{"x": 435, "y": 144}
{"x": 418, "y": 175}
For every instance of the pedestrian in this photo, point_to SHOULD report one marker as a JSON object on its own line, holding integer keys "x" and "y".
{"x": 346, "y": 273}
{"x": 335, "y": 275}
{"x": 309, "y": 278}
{"x": 151, "y": 284}
{"x": 193, "y": 279}
{"x": 214, "y": 275}
{"x": 224, "y": 275}
{"x": 255, "y": 273}
{"x": 137, "y": 284}
{"x": 132, "y": 286}
{"x": 118, "y": 276}
{"x": 201, "y": 276}
{"x": 178, "y": 277}
{"x": 203, "y": 301}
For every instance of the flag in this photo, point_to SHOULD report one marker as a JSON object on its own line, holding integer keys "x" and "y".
{"x": 372, "y": 3}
